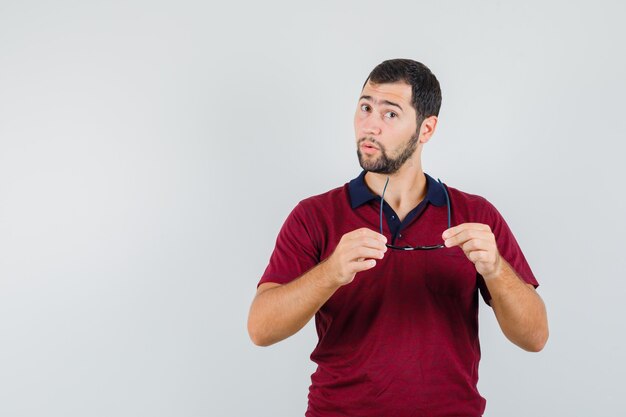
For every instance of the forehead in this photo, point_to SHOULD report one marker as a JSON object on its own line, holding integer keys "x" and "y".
{"x": 398, "y": 92}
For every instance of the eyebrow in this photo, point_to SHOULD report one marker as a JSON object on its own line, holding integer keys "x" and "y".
{"x": 391, "y": 103}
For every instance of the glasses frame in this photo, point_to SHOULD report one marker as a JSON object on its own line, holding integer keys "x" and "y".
{"x": 406, "y": 248}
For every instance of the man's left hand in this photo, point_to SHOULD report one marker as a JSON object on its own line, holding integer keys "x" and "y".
{"x": 479, "y": 245}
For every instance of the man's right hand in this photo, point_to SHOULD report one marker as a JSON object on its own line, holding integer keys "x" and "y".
{"x": 278, "y": 311}
{"x": 356, "y": 251}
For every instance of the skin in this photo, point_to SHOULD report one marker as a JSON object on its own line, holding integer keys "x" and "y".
{"x": 385, "y": 127}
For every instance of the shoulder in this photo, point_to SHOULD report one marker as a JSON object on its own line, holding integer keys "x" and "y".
{"x": 325, "y": 203}
{"x": 311, "y": 215}
{"x": 465, "y": 199}
{"x": 472, "y": 207}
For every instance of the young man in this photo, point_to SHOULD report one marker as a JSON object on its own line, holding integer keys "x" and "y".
{"x": 391, "y": 265}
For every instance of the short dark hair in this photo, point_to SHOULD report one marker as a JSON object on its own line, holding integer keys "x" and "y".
{"x": 426, "y": 93}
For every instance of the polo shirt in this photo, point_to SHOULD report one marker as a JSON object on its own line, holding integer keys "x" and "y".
{"x": 402, "y": 338}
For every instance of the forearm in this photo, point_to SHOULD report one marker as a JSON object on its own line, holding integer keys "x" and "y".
{"x": 281, "y": 311}
{"x": 520, "y": 311}
{"x": 277, "y": 313}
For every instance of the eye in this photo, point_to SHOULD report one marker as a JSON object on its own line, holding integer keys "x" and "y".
{"x": 391, "y": 115}
{"x": 365, "y": 107}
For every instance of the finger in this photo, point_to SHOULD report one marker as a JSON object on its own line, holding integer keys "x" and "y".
{"x": 466, "y": 235}
{"x": 365, "y": 253}
{"x": 361, "y": 237}
{"x": 366, "y": 233}
{"x": 485, "y": 244}
{"x": 484, "y": 260}
{"x": 462, "y": 227}
{"x": 368, "y": 242}
{"x": 359, "y": 266}
{"x": 478, "y": 256}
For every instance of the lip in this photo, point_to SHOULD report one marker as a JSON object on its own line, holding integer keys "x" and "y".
{"x": 368, "y": 148}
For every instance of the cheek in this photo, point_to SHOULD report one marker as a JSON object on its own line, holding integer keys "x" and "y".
{"x": 409, "y": 128}
{"x": 358, "y": 123}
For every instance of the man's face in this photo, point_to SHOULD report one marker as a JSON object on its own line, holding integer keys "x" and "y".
{"x": 385, "y": 127}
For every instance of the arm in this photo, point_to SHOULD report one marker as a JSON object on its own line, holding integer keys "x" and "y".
{"x": 519, "y": 310}
{"x": 279, "y": 311}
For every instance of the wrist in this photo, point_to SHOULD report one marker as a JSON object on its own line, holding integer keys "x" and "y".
{"x": 324, "y": 278}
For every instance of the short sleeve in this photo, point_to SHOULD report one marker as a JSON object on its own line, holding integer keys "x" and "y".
{"x": 295, "y": 252}
{"x": 508, "y": 248}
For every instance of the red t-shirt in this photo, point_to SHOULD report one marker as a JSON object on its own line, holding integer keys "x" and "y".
{"x": 402, "y": 338}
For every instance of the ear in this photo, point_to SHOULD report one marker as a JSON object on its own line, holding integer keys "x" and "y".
{"x": 427, "y": 129}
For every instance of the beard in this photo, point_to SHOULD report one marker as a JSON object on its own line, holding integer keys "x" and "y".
{"x": 385, "y": 164}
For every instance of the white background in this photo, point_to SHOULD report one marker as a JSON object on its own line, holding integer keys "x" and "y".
{"x": 150, "y": 151}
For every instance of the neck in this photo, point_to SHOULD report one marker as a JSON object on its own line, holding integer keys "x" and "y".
{"x": 406, "y": 188}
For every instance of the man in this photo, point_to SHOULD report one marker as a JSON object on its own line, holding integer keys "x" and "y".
{"x": 391, "y": 265}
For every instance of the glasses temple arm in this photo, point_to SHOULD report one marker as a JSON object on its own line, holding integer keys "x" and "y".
{"x": 382, "y": 201}
{"x": 445, "y": 191}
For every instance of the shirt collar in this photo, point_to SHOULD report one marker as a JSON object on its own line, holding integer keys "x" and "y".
{"x": 360, "y": 194}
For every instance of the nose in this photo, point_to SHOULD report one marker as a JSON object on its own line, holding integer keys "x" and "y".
{"x": 371, "y": 125}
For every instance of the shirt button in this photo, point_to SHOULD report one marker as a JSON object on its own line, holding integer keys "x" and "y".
{"x": 393, "y": 217}
{"x": 400, "y": 235}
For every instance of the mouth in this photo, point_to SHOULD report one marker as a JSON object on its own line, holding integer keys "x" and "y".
{"x": 368, "y": 148}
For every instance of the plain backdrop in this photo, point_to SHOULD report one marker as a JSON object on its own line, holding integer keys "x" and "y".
{"x": 151, "y": 150}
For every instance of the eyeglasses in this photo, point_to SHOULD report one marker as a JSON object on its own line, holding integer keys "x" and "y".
{"x": 428, "y": 247}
